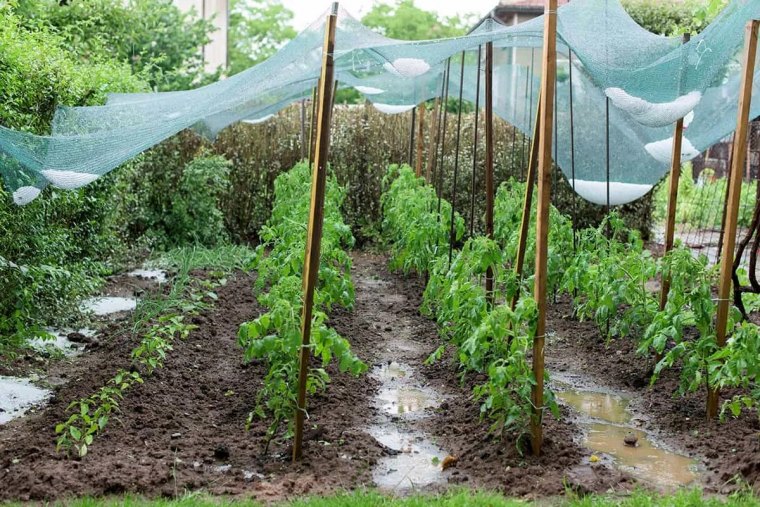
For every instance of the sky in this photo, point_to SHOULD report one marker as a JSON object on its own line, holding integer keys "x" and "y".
{"x": 307, "y": 11}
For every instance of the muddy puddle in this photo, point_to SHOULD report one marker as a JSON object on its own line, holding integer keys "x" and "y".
{"x": 416, "y": 460}
{"x": 18, "y": 396}
{"x": 611, "y": 432}
{"x": 102, "y": 306}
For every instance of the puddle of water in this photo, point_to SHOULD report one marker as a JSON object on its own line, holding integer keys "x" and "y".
{"x": 645, "y": 461}
{"x": 406, "y": 400}
{"x": 158, "y": 275}
{"x": 607, "y": 407}
{"x": 61, "y": 341}
{"x": 17, "y": 396}
{"x": 107, "y": 305}
{"x": 606, "y": 433}
{"x": 390, "y": 371}
{"x": 417, "y": 464}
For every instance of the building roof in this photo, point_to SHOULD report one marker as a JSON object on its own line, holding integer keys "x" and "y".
{"x": 537, "y": 6}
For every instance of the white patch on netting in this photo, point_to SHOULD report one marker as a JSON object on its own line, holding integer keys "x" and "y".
{"x": 25, "y": 195}
{"x": 254, "y": 121}
{"x": 651, "y": 114}
{"x": 407, "y": 67}
{"x": 662, "y": 151}
{"x": 68, "y": 180}
{"x": 620, "y": 193}
{"x": 393, "y": 109}
{"x": 368, "y": 90}
{"x": 688, "y": 119}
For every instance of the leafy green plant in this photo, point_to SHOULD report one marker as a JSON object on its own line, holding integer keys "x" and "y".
{"x": 275, "y": 336}
{"x": 411, "y": 218}
{"x": 608, "y": 277}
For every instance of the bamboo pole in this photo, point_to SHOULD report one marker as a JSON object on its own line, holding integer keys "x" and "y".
{"x": 316, "y": 218}
{"x": 303, "y": 129}
{"x": 420, "y": 140}
{"x": 670, "y": 220}
{"x": 734, "y": 193}
{"x": 527, "y": 203}
{"x": 545, "y": 135}
{"x": 489, "y": 160}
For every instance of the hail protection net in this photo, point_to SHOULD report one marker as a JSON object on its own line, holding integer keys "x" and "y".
{"x": 624, "y": 86}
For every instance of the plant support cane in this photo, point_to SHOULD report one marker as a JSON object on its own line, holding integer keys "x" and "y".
{"x": 732, "y": 209}
{"x": 316, "y": 218}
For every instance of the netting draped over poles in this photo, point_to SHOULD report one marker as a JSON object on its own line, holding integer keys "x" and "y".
{"x": 651, "y": 81}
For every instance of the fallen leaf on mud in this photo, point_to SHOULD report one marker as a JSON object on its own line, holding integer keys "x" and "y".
{"x": 448, "y": 462}
{"x": 594, "y": 458}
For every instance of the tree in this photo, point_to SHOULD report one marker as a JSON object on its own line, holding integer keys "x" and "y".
{"x": 406, "y": 21}
{"x": 257, "y": 30}
{"x": 157, "y": 39}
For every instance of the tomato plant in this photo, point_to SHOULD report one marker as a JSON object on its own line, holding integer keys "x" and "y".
{"x": 275, "y": 336}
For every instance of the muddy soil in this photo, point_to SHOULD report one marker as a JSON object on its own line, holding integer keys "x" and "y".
{"x": 729, "y": 452}
{"x": 184, "y": 428}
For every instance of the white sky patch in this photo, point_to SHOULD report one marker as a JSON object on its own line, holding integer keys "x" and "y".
{"x": 307, "y": 11}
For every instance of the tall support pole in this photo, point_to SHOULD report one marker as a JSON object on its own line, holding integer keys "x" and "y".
{"x": 452, "y": 228}
{"x": 316, "y": 218}
{"x": 734, "y": 193}
{"x": 670, "y": 219}
{"x": 433, "y": 138}
{"x": 412, "y": 129}
{"x": 313, "y": 122}
{"x": 420, "y": 140}
{"x": 545, "y": 135}
{"x": 475, "y": 143}
{"x": 489, "y": 159}
{"x": 522, "y": 241}
{"x": 303, "y": 129}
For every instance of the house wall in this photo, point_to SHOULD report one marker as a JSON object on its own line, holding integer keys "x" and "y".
{"x": 215, "y": 52}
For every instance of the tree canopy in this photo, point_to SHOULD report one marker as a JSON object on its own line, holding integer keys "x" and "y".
{"x": 257, "y": 30}
{"x": 404, "y": 20}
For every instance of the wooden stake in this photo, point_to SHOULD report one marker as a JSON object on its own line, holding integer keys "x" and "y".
{"x": 420, "y": 140}
{"x": 313, "y": 122}
{"x": 670, "y": 220}
{"x": 433, "y": 138}
{"x": 545, "y": 135}
{"x": 527, "y": 203}
{"x": 734, "y": 193}
{"x": 303, "y": 129}
{"x": 412, "y": 130}
{"x": 316, "y": 218}
{"x": 489, "y": 159}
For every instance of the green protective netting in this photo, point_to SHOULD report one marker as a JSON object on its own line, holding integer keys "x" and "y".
{"x": 646, "y": 81}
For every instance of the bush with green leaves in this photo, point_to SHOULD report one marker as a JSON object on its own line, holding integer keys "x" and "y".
{"x": 275, "y": 336}
{"x": 55, "y": 249}
{"x": 156, "y": 40}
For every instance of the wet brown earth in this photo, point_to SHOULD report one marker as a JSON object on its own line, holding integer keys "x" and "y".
{"x": 728, "y": 452}
{"x": 184, "y": 429}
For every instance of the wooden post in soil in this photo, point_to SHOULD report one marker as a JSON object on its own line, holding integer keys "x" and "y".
{"x": 488, "y": 105}
{"x": 522, "y": 242}
{"x": 670, "y": 220}
{"x": 545, "y": 136}
{"x": 316, "y": 218}
{"x": 734, "y": 192}
{"x": 420, "y": 140}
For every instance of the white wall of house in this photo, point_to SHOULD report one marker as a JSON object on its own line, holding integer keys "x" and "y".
{"x": 215, "y": 52}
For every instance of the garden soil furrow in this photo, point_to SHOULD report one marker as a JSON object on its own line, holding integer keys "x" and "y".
{"x": 184, "y": 429}
{"x": 728, "y": 452}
